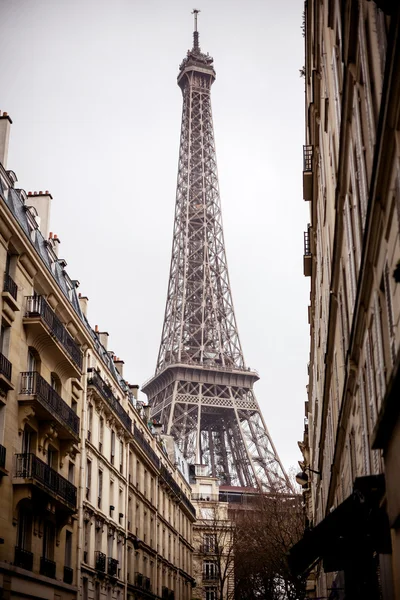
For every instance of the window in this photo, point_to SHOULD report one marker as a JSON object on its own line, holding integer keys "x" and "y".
{"x": 112, "y": 446}
{"x": 111, "y": 499}
{"x": 209, "y": 542}
{"x": 211, "y": 593}
{"x": 55, "y": 383}
{"x": 71, "y": 472}
{"x": 121, "y": 457}
{"x": 48, "y": 540}
{"x": 101, "y": 434}
{"x": 85, "y": 589}
{"x": 88, "y": 478}
{"x": 24, "y": 534}
{"x": 68, "y": 549}
{"x": 27, "y": 441}
{"x": 210, "y": 569}
{"x": 90, "y": 422}
{"x": 52, "y": 457}
{"x": 99, "y": 488}
{"x": 33, "y": 360}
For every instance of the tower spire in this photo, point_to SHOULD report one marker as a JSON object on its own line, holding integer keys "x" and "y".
{"x": 196, "y": 46}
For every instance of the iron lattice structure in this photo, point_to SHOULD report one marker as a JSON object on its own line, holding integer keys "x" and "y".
{"x": 202, "y": 390}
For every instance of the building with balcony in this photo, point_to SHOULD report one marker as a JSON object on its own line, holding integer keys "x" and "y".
{"x": 351, "y": 178}
{"x": 91, "y": 506}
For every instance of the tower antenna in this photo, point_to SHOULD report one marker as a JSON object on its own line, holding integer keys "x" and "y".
{"x": 196, "y": 46}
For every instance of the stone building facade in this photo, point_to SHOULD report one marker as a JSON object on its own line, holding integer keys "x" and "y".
{"x": 91, "y": 506}
{"x": 351, "y": 179}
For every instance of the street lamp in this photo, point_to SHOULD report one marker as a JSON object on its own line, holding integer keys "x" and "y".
{"x": 302, "y": 477}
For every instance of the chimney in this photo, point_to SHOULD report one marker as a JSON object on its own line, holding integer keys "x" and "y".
{"x": 119, "y": 365}
{"x": 41, "y": 201}
{"x": 103, "y": 337}
{"x": 83, "y": 302}
{"x": 134, "y": 389}
{"x": 5, "y": 126}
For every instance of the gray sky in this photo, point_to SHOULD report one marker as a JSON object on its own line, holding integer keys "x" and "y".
{"x": 91, "y": 88}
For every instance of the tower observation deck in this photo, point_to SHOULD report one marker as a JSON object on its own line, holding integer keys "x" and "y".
{"x": 202, "y": 390}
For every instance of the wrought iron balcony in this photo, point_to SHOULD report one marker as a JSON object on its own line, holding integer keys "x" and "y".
{"x": 10, "y": 286}
{"x": 95, "y": 380}
{"x": 112, "y": 567}
{"x": 100, "y": 561}
{"x": 308, "y": 153}
{"x": 29, "y": 466}
{"x": 308, "y": 156}
{"x": 3, "y": 470}
{"x": 307, "y": 258}
{"x": 2, "y": 457}
{"x": 145, "y": 446}
{"x": 50, "y": 403}
{"x": 23, "y": 558}
{"x": 37, "y": 307}
{"x": 164, "y": 593}
{"x": 68, "y": 575}
{"x": 210, "y": 576}
{"x": 5, "y": 367}
{"x": 47, "y": 567}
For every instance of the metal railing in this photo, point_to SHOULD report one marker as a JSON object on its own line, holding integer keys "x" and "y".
{"x": 23, "y": 558}
{"x": 47, "y": 567}
{"x": 10, "y": 286}
{"x": 145, "y": 446}
{"x": 308, "y": 153}
{"x": 169, "y": 480}
{"x": 207, "y": 366}
{"x": 112, "y": 566}
{"x": 33, "y": 384}
{"x": 37, "y": 305}
{"x": 5, "y": 367}
{"x": 105, "y": 391}
{"x": 164, "y": 593}
{"x": 30, "y": 466}
{"x": 210, "y": 576}
{"x": 3, "y": 452}
{"x": 307, "y": 247}
{"x": 100, "y": 561}
{"x": 206, "y": 497}
{"x": 68, "y": 575}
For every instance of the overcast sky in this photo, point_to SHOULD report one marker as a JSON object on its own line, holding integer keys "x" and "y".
{"x": 91, "y": 88}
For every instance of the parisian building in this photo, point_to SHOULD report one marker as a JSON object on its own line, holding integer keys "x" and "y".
{"x": 94, "y": 501}
{"x": 351, "y": 179}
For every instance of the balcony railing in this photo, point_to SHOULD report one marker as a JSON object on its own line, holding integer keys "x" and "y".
{"x": 307, "y": 247}
{"x": 2, "y": 457}
{"x": 112, "y": 566}
{"x": 145, "y": 446}
{"x": 105, "y": 391}
{"x": 68, "y": 575}
{"x": 47, "y": 567}
{"x": 210, "y": 576}
{"x": 100, "y": 561}
{"x": 33, "y": 384}
{"x": 308, "y": 152}
{"x": 37, "y": 306}
{"x": 142, "y": 582}
{"x": 10, "y": 286}
{"x": 169, "y": 480}
{"x": 206, "y": 497}
{"x": 23, "y": 558}
{"x": 30, "y": 466}
{"x": 164, "y": 593}
{"x": 5, "y": 367}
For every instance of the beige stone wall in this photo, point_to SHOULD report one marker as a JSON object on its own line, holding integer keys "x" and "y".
{"x": 354, "y": 217}
{"x": 127, "y": 528}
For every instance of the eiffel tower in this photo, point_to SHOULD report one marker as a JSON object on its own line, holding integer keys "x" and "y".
{"x": 202, "y": 390}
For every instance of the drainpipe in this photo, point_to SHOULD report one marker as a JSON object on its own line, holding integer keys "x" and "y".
{"x": 82, "y": 486}
{"x": 127, "y": 466}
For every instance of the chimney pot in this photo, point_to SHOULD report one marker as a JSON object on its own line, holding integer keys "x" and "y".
{"x": 29, "y": 193}
{"x": 40, "y": 193}
{"x": 5, "y": 114}
{"x": 47, "y": 192}
{"x": 96, "y": 328}
{"x": 50, "y": 235}
{"x": 55, "y": 236}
